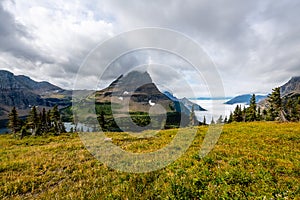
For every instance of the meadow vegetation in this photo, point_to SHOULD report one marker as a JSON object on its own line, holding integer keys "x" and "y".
{"x": 251, "y": 160}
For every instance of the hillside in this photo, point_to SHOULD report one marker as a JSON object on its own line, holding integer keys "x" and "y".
{"x": 23, "y": 92}
{"x": 248, "y": 162}
{"x": 185, "y": 103}
{"x": 291, "y": 88}
{"x": 129, "y": 100}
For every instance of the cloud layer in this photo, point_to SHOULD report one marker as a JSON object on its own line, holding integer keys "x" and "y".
{"x": 254, "y": 44}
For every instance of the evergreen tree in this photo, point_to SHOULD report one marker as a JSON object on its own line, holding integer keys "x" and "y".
{"x": 258, "y": 114}
{"x": 102, "y": 120}
{"x": 33, "y": 121}
{"x": 14, "y": 121}
{"x": 44, "y": 125}
{"x": 204, "y": 120}
{"x": 276, "y": 104}
{"x": 225, "y": 120}
{"x": 220, "y": 120}
{"x": 251, "y": 111}
{"x": 230, "y": 120}
{"x": 238, "y": 114}
{"x": 271, "y": 113}
{"x": 58, "y": 126}
{"x": 264, "y": 114}
{"x": 243, "y": 113}
{"x": 212, "y": 120}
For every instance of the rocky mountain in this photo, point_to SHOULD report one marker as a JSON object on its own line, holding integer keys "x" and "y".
{"x": 291, "y": 88}
{"x": 132, "y": 97}
{"x": 23, "y": 92}
{"x": 186, "y": 103}
{"x": 245, "y": 98}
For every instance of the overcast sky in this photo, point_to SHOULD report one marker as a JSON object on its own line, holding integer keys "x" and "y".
{"x": 255, "y": 45}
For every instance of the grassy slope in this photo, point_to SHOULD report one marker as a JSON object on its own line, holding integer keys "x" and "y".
{"x": 251, "y": 160}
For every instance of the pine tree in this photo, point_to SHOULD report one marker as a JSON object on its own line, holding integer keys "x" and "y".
{"x": 44, "y": 126}
{"x": 58, "y": 126}
{"x": 33, "y": 121}
{"x": 258, "y": 115}
{"x": 238, "y": 114}
{"x": 212, "y": 121}
{"x": 102, "y": 120}
{"x": 220, "y": 120}
{"x": 225, "y": 120}
{"x": 251, "y": 111}
{"x": 204, "y": 120}
{"x": 14, "y": 121}
{"x": 230, "y": 120}
{"x": 276, "y": 104}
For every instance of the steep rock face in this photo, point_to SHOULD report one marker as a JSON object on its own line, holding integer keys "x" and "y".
{"x": 133, "y": 97}
{"x": 37, "y": 87}
{"x": 136, "y": 88}
{"x": 14, "y": 93}
{"x": 291, "y": 88}
{"x": 23, "y": 92}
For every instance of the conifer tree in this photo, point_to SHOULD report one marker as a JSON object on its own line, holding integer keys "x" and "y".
{"x": 258, "y": 115}
{"x": 238, "y": 114}
{"x": 276, "y": 104}
{"x": 14, "y": 121}
{"x": 212, "y": 120}
{"x": 251, "y": 111}
{"x": 58, "y": 126}
{"x": 33, "y": 121}
{"x": 220, "y": 120}
{"x": 225, "y": 120}
{"x": 230, "y": 120}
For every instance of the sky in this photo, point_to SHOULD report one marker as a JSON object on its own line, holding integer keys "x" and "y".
{"x": 254, "y": 45}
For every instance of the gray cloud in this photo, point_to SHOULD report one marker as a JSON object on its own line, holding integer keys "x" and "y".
{"x": 13, "y": 36}
{"x": 255, "y": 44}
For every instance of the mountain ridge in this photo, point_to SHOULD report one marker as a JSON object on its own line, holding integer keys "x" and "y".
{"x": 22, "y": 92}
{"x": 245, "y": 98}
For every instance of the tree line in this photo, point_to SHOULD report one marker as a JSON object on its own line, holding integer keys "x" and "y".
{"x": 37, "y": 123}
{"x": 277, "y": 108}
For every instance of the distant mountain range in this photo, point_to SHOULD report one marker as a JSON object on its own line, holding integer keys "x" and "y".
{"x": 23, "y": 93}
{"x": 245, "y": 98}
{"x": 290, "y": 89}
{"x": 186, "y": 103}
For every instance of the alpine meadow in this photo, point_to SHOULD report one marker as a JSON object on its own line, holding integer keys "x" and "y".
{"x": 146, "y": 100}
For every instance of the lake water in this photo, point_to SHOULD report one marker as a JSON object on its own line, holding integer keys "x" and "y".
{"x": 214, "y": 108}
{"x": 69, "y": 125}
{"x": 4, "y": 130}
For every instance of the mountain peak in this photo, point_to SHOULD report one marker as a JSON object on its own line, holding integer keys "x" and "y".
{"x": 132, "y": 80}
{"x": 291, "y": 87}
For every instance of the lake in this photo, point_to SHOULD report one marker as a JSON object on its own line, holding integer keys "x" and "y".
{"x": 214, "y": 108}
